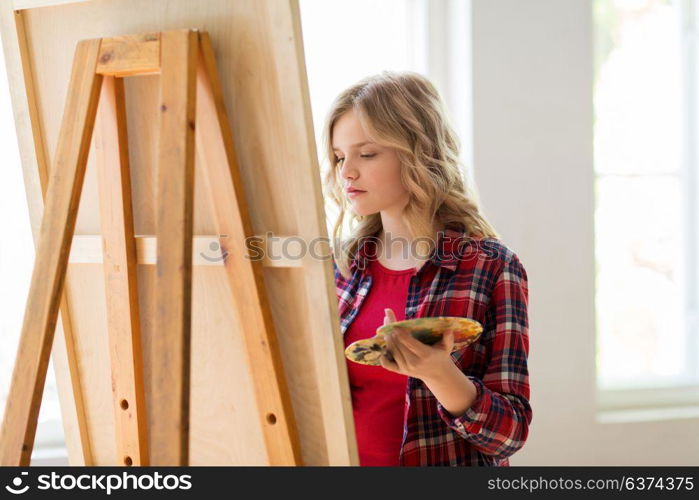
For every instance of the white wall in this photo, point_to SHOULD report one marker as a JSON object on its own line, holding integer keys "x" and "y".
{"x": 532, "y": 150}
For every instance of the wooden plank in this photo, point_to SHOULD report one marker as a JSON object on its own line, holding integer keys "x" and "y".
{"x": 123, "y": 324}
{"x": 171, "y": 347}
{"x": 278, "y": 251}
{"x": 32, "y": 4}
{"x": 48, "y": 276}
{"x": 318, "y": 278}
{"x": 128, "y": 55}
{"x": 40, "y": 148}
{"x": 216, "y": 152}
{"x": 33, "y": 152}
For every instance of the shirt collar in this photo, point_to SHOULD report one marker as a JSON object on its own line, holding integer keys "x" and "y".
{"x": 443, "y": 255}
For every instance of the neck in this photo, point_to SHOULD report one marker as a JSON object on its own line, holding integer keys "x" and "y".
{"x": 395, "y": 236}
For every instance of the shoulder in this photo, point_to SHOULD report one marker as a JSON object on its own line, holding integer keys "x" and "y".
{"x": 488, "y": 256}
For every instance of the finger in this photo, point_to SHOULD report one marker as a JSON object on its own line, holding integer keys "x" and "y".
{"x": 410, "y": 356}
{"x": 388, "y": 364}
{"x": 390, "y": 317}
{"x": 410, "y": 343}
{"x": 447, "y": 337}
{"x": 450, "y": 339}
{"x": 395, "y": 351}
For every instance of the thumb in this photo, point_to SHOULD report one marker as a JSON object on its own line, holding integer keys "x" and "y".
{"x": 390, "y": 315}
{"x": 447, "y": 339}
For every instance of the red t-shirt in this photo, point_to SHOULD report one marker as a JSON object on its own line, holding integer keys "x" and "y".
{"x": 378, "y": 395}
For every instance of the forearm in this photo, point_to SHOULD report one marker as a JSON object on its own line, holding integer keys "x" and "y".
{"x": 453, "y": 390}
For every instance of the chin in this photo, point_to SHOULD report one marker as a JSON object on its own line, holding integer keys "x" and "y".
{"x": 363, "y": 211}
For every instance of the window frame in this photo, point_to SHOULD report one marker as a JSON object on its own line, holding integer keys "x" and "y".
{"x": 669, "y": 398}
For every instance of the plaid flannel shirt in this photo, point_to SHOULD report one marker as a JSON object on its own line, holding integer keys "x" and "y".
{"x": 479, "y": 279}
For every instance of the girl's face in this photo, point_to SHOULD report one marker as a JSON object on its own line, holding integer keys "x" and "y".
{"x": 368, "y": 167}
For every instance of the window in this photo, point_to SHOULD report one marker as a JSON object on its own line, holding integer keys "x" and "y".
{"x": 646, "y": 213}
{"x": 345, "y": 41}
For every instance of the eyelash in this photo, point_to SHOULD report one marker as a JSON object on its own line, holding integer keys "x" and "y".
{"x": 338, "y": 160}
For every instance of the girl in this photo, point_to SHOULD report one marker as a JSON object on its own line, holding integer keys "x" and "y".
{"x": 420, "y": 247}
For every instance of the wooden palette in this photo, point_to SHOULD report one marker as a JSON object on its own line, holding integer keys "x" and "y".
{"x": 427, "y": 330}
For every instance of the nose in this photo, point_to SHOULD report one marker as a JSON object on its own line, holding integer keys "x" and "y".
{"x": 347, "y": 170}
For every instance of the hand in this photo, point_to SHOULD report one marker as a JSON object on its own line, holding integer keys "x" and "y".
{"x": 413, "y": 358}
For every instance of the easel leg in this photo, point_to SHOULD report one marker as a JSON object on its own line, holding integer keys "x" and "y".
{"x": 120, "y": 273}
{"x": 64, "y": 348}
{"x": 171, "y": 344}
{"x": 55, "y": 238}
{"x": 219, "y": 164}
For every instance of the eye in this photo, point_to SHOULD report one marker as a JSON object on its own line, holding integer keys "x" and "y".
{"x": 339, "y": 160}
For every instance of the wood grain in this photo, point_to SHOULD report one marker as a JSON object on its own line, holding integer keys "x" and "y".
{"x": 172, "y": 343}
{"x": 121, "y": 290}
{"x": 216, "y": 152}
{"x": 48, "y": 276}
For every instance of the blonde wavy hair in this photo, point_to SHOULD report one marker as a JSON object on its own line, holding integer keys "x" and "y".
{"x": 404, "y": 111}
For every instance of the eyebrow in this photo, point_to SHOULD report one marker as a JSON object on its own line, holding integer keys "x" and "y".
{"x": 357, "y": 145}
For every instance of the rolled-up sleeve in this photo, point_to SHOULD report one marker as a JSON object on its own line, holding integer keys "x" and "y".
{"x": 497, "y": 423}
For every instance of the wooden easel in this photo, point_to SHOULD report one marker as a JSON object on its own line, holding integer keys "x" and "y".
{"x": 191, "y": 104}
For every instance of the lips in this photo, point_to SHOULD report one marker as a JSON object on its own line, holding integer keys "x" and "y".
{"x": 353, "y": 190}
